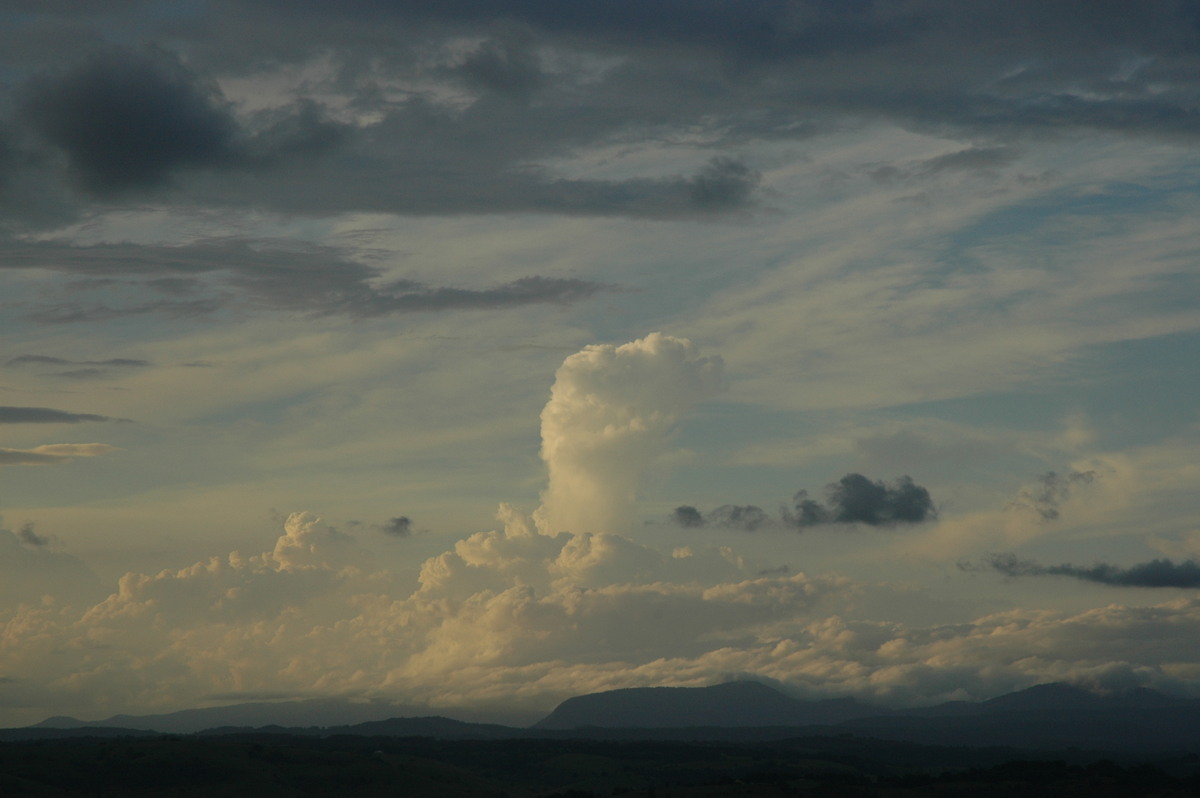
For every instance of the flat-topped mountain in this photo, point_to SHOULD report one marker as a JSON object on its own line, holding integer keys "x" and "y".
{"x": 733, "y": 704}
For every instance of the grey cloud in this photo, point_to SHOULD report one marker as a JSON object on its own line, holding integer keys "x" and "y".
{"x": 398, "y": 527}
{"x": 313, "y": 279}
{"x": 127, "y": 120}
{"x": 1051, "y": 490}
{"x": 1154, "y": 573}
{"x": 687, "y": 516}
{"x": 24, "y": 457}
{"x": 27, "y": 535}
{"x": 742, "y": 517}
{"x": 45, "y": 415}
{"x": 502, "y": 67}
{"x": 746, "y": 518}
{"x": 548, "y": 81}
{"x": 47, "y": 360}
{"x": 724, "y": 183}
{"x": 73, "y": 312}
{"x": 853, "y": 499}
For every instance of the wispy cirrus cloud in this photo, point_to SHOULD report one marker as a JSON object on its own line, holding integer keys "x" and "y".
{"x": 53, "y": 453}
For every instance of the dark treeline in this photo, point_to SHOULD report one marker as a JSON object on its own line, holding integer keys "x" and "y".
{"x": 283, "y": 765}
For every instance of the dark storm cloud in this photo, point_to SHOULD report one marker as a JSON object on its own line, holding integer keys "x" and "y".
{"x": 398, "y": 527}
{"x": 129, "y": 120}
{"x": 463, "y": 106}
{"x": 315, "y": 279}
{"x": 1154, "y": 573}
{"x": 45, "y": 415}
{"x": 1051, "y": 490}
{"x": 853, "y": 499}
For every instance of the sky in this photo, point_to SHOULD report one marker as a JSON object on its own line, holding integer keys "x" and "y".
{"x": 473, "y": 355}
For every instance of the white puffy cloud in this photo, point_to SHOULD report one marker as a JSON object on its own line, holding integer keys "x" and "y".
{"x": 611, "y": 411}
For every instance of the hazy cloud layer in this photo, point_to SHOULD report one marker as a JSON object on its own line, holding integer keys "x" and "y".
{"x": 1154, "y": 573}
{"x": 518, "y": 619}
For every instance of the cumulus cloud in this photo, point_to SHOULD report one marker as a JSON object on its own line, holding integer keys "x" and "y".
{"x": 610, "y": 415}
{"x": 524, "y": 615}
{"x": 519, "y": 619}
{"x": 1154, "y": 573}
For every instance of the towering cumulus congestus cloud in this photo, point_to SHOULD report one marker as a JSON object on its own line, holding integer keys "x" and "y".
{"x": 610, "y": 415}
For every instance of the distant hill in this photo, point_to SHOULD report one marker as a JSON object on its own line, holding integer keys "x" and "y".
{"x": 313, "y": 712}
{"x": 733, "y": 704}
{"x": 1045, "y": 717}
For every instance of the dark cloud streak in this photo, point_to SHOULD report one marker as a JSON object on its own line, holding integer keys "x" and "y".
{"x": 1154, "y": 573}
{"x": 45, "y": 415}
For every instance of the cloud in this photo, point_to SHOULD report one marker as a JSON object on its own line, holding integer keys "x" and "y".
{"x": 1154, "y": 573}
{"x": 27, "y": 535}
{"x": 609, "y": 419}
{"x": 45, "y": 415}
{"x": 46, "y": 360}
{"x": 399, "y": 527}
{"x": 53, "y": 453}
{"x": 687, "y": 516}
{"x": 745, "y": 518}
{"x": 524, "y": 615}
{"x": 129, "y": 120}
{"x": 853, "y": 499}
{"x": 314, "y": 279}
{"x": 1052, "y": 489}
{"x": 91, "y": 369}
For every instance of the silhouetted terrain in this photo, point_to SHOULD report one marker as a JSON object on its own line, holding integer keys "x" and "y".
{"x": 286, "y": 765}
{"x": 738, "y": 704}
{"x": 733, "y": 739}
